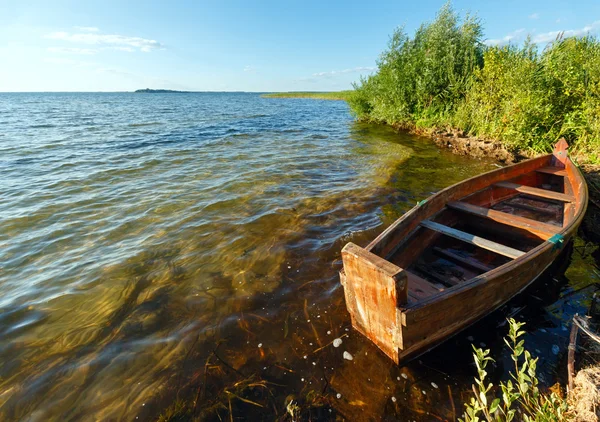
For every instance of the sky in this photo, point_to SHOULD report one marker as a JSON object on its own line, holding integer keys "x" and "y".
{"x": 236, "y": 45}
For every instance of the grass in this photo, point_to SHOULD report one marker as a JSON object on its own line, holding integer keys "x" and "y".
{"x": 339, "y": 95}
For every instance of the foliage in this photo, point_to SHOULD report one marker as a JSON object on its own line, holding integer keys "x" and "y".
{"x": 521, "y": 398}
{"x": 530, "y": 99}
{"x": 422, "y": 77}
{"x": 339, "y": 95}
{"x": 445, "y": 76}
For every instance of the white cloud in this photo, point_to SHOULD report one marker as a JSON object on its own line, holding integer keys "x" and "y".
{"x": 552, "y": 35}
{"x": 513, "y": 36}
{"x": 87, "y": 28}
{"x": 69, "y": 62}
{"x": 534, "y": 16}
{"x": 545, "y": 37}
{"x": 109, "y": 40}
{"x": 126, "y": 49}
{"x": 340, "y": 72}
{"x": 74, "y": 50}
{"x": 251, "y": 69}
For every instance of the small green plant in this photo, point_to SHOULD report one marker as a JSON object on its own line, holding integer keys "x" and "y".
{"x": 521, "y": 398}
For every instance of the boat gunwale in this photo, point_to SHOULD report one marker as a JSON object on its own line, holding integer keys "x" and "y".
{"x": 581, "y": 204}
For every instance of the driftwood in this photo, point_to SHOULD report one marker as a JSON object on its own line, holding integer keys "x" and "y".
{"x": 579, "y": 323}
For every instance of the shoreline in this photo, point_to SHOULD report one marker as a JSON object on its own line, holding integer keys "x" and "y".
{"x": 330, "y": 96}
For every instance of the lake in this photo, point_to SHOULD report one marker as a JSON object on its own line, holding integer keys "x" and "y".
{"x": 178, "y": 255}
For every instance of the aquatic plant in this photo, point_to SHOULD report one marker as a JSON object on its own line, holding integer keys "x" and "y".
{"x": 521, "y": 397}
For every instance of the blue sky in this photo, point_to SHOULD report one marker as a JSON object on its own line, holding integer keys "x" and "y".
{"x": 236, "y": 45}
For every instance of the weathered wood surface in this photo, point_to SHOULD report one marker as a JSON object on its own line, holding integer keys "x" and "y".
{"x": 419, "y": 288}
{"x": 530, "y": 207}
{"x": 473, "y": 240}
{"x": 542, "y": 193}
{"x": 406, "y": 315}
{"x": 378, "y": 287}
{"x": 543, "y": 230}
{"x": 473, "y": 263}
{"x": 556, "y": 171}
{"x": 434, "y": 319}
{"x": 390, "y": 237}
{"x": 559, "y": 155}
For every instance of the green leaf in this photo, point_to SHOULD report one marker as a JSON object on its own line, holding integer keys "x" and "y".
{"x": 524, "y": 387}
{"x": 494, "y": 406}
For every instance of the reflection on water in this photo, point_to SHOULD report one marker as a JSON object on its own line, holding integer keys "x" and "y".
{"x": 178, "y": 255}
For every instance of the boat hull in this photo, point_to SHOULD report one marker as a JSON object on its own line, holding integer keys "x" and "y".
{"x": 376, "y": 289}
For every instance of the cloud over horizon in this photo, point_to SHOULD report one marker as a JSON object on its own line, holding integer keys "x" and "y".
{"x": 341, "y": 72}
{"x": 91, "y": 36}
{"x": 72, "y": 50}
{"x": 544, "y": 37}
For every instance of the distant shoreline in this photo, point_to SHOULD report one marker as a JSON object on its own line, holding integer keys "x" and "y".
{"x": 335, "y": 96}
{"x": 159, "y": 91}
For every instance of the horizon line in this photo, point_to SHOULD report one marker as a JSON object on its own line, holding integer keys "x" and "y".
{"x": 133, "y": 92}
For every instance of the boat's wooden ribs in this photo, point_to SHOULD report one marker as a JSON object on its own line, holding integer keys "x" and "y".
{"x": 556, "y": 171}
{"x": 472, "y": 239}
{"x": 471, "y": 262}
{"x": 545, "y": 231}
{"x": 542, "y": 193}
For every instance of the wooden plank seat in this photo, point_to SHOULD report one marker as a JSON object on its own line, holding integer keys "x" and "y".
{"x": 556, "y": 171}
{"x": 542, "y": 193}
{"x": 472, "y": 239}
{"x": 543, "y": 230}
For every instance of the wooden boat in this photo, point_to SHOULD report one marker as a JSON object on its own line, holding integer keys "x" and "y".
{"x": 462, "y": 253}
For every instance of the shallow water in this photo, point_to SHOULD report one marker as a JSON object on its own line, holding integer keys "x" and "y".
{"x": 163, "y": 253}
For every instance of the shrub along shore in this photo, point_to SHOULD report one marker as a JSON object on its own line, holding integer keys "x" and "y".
{"x": 446, "y": 80}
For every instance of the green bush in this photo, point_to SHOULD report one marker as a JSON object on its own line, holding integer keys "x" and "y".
{"x": 422, "y": 77}
{"x": 445, "y": 77}
{"x": 530, "y": 100}
{"x": 519, "y": 394}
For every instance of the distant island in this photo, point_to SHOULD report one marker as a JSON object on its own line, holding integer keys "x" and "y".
{"x": 159, "y": 91}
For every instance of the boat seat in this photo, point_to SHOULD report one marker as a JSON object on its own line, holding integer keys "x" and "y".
{"x": 542, "y": 193}
{"x": 473, "y": 240}
{"x": 543, "y": 230}
{"x": 556, "y": 171}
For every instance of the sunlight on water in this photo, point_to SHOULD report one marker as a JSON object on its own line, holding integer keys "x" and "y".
{"x": 163, "y": 248}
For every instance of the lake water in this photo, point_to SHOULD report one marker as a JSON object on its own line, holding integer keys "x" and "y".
{"x": 177, "y": 255}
